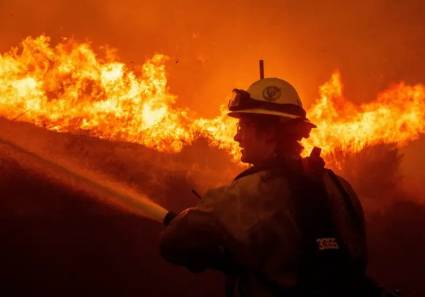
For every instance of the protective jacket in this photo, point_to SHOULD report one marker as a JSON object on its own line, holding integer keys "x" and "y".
{"x": 279, "y": 229}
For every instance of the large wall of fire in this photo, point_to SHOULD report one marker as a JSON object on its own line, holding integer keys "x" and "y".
{"x": 156, "y": 73}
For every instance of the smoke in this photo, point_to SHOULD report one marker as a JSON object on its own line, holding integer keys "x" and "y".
{"x": 62, "y": 233}
{"x": 375, "y": 174}
{"x": 214, "y": 47}
{"x": 139, "y": 168}
{"x": 394, "y": 216}
{"x": 57, "y": 240}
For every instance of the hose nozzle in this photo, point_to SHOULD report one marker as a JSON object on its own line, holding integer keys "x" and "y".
{"x": 169, "y": 217}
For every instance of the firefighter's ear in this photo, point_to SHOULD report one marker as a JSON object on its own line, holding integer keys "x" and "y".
{"x": 298, "y": 128}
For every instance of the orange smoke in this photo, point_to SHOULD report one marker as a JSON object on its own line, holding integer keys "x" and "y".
{"x": 70, "y": 88}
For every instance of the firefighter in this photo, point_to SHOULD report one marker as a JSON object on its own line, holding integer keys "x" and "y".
{"x": 286, "y": 226}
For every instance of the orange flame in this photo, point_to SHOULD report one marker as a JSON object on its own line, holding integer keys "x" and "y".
{"x": 397, "y": 116}
{"x": 70, "y": 88}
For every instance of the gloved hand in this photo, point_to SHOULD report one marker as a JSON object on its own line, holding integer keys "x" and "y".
{"x": 169, "y": 217}
{"x": 194, "y": 239}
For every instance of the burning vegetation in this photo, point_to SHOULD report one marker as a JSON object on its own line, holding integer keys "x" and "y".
{"x": 69, "y": 87}
{"x": 91, "y": 98}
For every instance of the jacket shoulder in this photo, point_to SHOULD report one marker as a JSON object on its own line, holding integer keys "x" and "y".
{"x": 254, "y": 184}
{"x": 345, "y": 199}
{"x": 347, "y": 187}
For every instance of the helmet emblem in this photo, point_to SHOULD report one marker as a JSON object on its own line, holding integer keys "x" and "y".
{"x": 271, "y": 93}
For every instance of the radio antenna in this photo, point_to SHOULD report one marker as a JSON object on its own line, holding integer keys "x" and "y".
{"x": 261, "y": 69}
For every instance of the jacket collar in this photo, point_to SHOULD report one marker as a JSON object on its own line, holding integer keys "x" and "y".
{"x": 287, "y": 164}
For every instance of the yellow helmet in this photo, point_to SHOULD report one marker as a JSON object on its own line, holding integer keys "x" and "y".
{"x": 268, "y": 96}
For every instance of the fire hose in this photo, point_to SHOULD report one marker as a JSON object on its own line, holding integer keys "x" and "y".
{"x": 136, "y": 203}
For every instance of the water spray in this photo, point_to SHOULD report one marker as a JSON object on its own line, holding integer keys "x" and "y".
{"x": 115, "y": 194}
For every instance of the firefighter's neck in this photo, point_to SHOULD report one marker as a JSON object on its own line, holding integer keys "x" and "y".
{"x": 264, "y": 159}
{"x": 276, "y": 155}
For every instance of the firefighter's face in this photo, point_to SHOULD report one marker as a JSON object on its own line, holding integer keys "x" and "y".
{"x": 256, "y": 146}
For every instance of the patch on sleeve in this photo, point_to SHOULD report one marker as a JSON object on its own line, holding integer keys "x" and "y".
{"x": 327, "y": 243}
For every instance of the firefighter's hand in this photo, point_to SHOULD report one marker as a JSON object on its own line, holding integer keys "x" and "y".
{"x": 194, "y": 239}
{"x": 169, "y": 217}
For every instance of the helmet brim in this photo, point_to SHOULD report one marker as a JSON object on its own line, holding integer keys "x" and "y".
{"x": 259, "y": 111}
